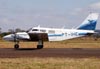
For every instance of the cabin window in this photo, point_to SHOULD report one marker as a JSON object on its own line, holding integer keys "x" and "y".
{"x": 35, "y": 30}
{"x": 65, "y": 34}
{"x": 43, "y": 31}
{"x": 51, "y": 31}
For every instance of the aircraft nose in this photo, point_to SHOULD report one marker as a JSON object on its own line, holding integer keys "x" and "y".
{"x": 8, "y": 37}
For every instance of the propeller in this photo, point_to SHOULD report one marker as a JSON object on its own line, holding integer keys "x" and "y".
{"x": 14, "y": 35}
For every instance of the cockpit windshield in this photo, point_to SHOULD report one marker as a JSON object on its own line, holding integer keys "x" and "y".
{"x": 32, "y": 29}
{"x": 29, "y": 30}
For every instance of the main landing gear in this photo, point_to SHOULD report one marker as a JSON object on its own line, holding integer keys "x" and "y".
{"x": 39, "y": 46}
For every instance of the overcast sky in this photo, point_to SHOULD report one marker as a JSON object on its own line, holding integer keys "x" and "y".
{"x": 25, "y": 14}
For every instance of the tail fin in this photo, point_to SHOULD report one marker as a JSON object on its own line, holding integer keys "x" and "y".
{"x": 90, "y": 22}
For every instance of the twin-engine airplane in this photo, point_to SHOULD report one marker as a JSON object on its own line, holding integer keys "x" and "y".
{"x": 41, "y": 34}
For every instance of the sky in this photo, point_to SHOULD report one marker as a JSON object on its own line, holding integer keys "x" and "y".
{"x": 25, "y": 14}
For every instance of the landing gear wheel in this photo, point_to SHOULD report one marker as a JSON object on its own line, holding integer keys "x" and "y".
{"x": 16, "y": 46}
{"x": 39, "y": 46}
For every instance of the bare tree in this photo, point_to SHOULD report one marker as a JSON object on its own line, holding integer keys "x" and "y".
{"x": 10, "y": 30}
{"x": 16, "y": 30}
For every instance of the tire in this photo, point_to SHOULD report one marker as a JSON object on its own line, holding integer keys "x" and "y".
{"x": 39, "y": 46}
{"x": 16, "y": 46}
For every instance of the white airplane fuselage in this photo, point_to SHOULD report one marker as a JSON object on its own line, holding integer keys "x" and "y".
{"x": 52, "y": 34}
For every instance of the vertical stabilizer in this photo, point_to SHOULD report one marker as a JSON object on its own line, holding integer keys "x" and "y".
{"x": 90, "y": 22}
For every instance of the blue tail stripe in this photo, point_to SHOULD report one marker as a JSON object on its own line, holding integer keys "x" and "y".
{"x": 89, "y": 26}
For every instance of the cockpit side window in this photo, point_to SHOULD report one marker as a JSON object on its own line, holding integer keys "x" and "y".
{"x": 51, "y": 31}
{"x": 43, "y": 31}
{"x": 35, "y": 30}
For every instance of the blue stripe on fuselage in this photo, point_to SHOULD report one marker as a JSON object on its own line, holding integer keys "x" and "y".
{"x": 82, "y": 33}
{"x": 52, "y": 35}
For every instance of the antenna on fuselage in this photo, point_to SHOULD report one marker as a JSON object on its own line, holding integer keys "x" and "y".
{"x": 38, "y": 26}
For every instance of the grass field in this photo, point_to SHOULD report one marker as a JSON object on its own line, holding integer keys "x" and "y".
{"x": 74, "y": 43}
{"x": 52, "y": 63}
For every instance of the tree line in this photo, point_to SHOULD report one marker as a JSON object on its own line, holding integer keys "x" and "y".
{"x": 10, "y": 31}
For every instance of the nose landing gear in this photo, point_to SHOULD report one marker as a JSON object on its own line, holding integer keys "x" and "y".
{"x": 16, "y": 46}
